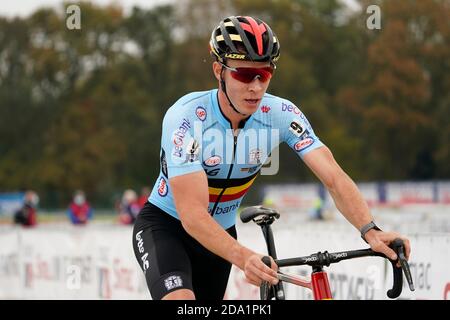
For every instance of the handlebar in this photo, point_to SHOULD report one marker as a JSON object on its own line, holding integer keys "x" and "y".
{"x": 322, "y": 259}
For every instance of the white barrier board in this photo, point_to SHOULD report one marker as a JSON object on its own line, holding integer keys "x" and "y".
{"x": 97, "y": 262}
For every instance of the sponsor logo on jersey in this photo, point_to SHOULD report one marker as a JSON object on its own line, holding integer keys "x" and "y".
{"x": 212, "y": 161}
{"x": 227, "y": 209}
{"x": 163, "y": 188}
{"x": 144, "y": 255}
{"x": 302, "y": 144}
{"x": 193, "y": 150}
{"x": 212, "y": 172}
{"x": 164, "y": 163}
{"x": 201, "y": 113}
{"x": 290, "y": 108}
{"x": 255, "y": 156}
{"x": 173, "y": 282}
{"x": 178, "y": 137}
{"x": 265, "y": 109}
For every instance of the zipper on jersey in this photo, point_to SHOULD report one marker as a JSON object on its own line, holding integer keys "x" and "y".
{"x": 228, "y": 176}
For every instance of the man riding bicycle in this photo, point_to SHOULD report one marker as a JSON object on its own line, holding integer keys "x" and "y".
{"x": 213, "y": 146}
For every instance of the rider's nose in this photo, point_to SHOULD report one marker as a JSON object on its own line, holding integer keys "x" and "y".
{"x": 256, "y": 84}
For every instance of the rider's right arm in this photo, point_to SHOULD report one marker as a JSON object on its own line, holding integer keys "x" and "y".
{"x": 191, "y": 197}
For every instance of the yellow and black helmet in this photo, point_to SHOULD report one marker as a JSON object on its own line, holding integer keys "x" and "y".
{"x": 244, "y": 38}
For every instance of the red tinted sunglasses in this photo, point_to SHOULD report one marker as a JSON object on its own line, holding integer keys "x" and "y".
{"x": 247, "y": 75}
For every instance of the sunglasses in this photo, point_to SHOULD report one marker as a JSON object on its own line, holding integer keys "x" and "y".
{"x": 247, "y": 75}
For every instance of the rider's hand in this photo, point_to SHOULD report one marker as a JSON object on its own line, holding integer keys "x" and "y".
{"x": 380, "y": 240}
{"x": 256, "y": 271}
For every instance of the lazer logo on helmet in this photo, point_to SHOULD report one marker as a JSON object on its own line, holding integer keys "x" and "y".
{"x": 235, "y": 56}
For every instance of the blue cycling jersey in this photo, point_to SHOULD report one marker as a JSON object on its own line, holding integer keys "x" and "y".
{"x": 197, "y": 136}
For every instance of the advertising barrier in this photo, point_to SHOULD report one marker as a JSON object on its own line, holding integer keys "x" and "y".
{"x": 97, "y": 262}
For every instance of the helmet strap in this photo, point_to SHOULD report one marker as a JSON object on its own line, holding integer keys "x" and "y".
{"x": 224, "y": 88}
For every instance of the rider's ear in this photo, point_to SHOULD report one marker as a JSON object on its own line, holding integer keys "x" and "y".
{"x": 217, "y": 68}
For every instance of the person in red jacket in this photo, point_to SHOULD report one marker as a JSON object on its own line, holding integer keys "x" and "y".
{"x": 128, "y": 207}
{"x": 27, "y": 214}
{"x": 79, "y": 209}
{"x": 143, "y": 198}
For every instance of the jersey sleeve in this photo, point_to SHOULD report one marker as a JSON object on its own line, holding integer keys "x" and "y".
{"x": 296, "y": 130}
{"x": 180, "y": 143}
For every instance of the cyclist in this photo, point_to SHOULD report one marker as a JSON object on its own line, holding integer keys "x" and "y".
{"x": 213, "y": 145}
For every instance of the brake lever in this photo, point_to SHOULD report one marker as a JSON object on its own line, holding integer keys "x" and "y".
{"x": 399, "y": 249}
{"x": 274, "y": 290}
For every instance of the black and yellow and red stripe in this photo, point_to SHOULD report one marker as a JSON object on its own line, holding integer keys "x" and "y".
{"x": 223, "y": 190}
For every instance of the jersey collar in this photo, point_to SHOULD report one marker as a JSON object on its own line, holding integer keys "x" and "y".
{"x": 221, "y": 116}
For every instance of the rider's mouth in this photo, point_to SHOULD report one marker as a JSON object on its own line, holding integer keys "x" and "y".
{"x": 252, "y": 101}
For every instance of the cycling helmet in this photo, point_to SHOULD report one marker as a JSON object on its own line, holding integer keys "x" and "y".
{"x": 244, "y": 38}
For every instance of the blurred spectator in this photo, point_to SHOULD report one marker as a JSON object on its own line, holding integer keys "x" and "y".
{"x": 318, "y": 205}
{"x": 79, "y": 210}
{"x": 316, "y": 212}
{"x": 269, "y": 202}
{"x": 27, "y": 214}
{"x": 145, "y": 193}
{"x": 128, "y": 207}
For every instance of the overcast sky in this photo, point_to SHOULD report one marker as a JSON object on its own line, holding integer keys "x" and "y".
{"x": 25, "y": 7}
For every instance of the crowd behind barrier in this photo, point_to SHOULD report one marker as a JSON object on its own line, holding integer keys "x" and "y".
{"x": 23, "y": 208}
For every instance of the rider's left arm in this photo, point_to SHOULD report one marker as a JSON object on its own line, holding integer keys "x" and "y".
{"x": 348, "y": 199}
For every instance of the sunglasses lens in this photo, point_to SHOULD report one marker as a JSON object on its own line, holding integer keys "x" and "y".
{"x": 247, "y": 75}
